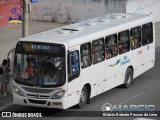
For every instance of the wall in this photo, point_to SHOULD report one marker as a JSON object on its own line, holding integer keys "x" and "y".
{"x": 65, "y": 11}
{"x": 144, "y": 7}
{"x": 10, "y": 12}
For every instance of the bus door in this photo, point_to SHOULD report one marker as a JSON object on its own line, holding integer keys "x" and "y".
{"x": 148, "y": 46}
{"x": 73, "y": 78}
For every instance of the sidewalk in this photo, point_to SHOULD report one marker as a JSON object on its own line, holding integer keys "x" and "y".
{"x": 9, "y": 35}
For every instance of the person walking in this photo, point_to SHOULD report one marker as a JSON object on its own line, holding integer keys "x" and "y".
{"x": 5, "y": 77}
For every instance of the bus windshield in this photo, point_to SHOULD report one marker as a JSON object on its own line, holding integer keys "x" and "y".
{"x": 35, "y": 68}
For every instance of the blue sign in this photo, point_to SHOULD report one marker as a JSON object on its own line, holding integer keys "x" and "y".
{"x": 125, "y": 60}
{"x": 34, "y": 1}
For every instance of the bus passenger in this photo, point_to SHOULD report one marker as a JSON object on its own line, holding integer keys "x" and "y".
{"x": 108, "y": 54}
{"x": 115, "y": 51}
{"x": 30, "y": 67}
{"x": 121, "y": 49}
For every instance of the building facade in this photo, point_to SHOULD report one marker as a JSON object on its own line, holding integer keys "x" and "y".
{"x": 10, "y": 11}
{"x": 68, "y": 11}
{"x": 65, "y": 11}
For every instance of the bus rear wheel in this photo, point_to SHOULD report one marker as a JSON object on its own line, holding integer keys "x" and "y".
{"x": 128, "y": 78}
{"x": 83, "y": 98}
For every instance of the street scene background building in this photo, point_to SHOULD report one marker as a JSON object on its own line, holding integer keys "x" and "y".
{"x": 10, "y": 11}
{"x": 70, "y": 11}
{"x": 65, "y": 11}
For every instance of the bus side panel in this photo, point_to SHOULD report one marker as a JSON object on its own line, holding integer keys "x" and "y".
{"x": 95, "y": 75}
{"x": 113, "y": 72}
{"x": 118, "y": 70}
{"x": 125, "y": 61}
{"x": 136, "y": 56}
{"x": 148, "y": 57}
{"x": 73, "y": 92}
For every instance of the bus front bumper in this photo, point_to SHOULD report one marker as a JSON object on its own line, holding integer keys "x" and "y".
{"x": 47, "y": 103}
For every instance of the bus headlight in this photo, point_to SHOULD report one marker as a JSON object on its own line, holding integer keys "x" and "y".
{"x": 18, "y": 91}
{"x": 58, "y": 94}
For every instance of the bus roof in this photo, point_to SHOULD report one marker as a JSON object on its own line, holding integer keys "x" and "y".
{"x": 91, "y": 29}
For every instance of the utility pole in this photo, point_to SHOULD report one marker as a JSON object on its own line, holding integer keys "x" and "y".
{"x": 25, "y": 19}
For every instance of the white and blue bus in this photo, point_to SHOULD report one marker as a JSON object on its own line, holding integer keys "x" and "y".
{"x": 69, "y": 65}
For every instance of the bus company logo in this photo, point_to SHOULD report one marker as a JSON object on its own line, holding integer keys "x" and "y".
{"x": 125, "y": 60}
{"x": 117, "y": 62}
{"x": 37, "y": 96}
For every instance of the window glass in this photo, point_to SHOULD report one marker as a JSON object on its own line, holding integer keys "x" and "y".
{"x": 111, "y": 46}
{"x": 73, "y": 65}
{"x": 98, "y": 50}
{"x": 135, "y": 37}
{"x": 39, "y": 70}
{"x": 124, "y": 43}
{"x": 147, "y": 33}
{"x": 86, "y": 55}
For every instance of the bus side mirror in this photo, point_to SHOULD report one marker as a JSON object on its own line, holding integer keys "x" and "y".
{"x": 10, "y": 59}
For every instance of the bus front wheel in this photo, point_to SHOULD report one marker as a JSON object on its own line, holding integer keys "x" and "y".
{"x": 83, "y": 98}
{"x": 128, "y": 78}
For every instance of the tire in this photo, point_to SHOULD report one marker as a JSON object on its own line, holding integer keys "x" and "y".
{"x": 83, "y": 98}
{"x": 128, "y": 78}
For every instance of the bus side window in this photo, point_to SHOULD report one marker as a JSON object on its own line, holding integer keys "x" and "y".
{"x": 147, "y": 33}
{"x": 111, "y": 46}
{"x": 135, "y": 37}
{"x": 98, "y": 51}
{"x": 86, "y": 60}
{"x": 124, "y": 42}
{"x": 73, "y": 65}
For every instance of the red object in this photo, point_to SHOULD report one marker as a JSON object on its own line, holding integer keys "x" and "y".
{"x": 30, "y": 70}
{"x": 139, "y": 52}
{"x": 10, "y": 10}
{"x": 56, "y": 103}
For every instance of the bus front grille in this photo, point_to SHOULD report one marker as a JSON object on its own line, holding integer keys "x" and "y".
{"x": 40, "y": 96}
{"x": 36, "y": 90}
{"x": 37, "y": 101}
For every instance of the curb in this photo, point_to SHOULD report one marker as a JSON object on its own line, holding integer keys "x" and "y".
{"x": 6, "y": 106}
